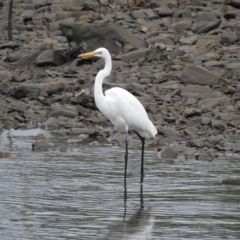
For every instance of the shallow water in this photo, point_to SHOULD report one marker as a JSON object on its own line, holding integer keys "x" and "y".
{"x": 79, "y": 194}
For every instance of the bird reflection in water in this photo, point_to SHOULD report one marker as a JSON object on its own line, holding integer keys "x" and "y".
{"x": 139, "y": 226}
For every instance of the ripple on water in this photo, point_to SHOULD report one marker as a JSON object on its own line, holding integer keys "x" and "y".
{"x": 79, "y": 194}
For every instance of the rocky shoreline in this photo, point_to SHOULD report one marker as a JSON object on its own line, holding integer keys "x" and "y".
{"x": 179, "y": 58}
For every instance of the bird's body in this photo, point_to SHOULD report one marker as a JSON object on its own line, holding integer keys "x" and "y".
{"x": 122, "y": 108}
{"x": 115, "y": 110}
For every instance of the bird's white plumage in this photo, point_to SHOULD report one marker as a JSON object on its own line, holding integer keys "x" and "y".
{"x": 127, "y": 113}
{"x": 122, "y": 108}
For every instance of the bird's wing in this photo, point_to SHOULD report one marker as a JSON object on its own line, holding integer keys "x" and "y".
{"x": 122, "y": 103}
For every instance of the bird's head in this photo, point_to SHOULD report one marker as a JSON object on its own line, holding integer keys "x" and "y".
{"x": 100, "y": 52}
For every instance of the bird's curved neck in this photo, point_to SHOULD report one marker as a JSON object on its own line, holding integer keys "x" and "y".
{"x": 98, "y": 92}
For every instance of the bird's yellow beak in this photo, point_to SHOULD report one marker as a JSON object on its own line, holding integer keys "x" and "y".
{"x": 87, "y": 55}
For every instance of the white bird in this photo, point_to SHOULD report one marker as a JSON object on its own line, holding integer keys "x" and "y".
{"x": 121, "y": 107}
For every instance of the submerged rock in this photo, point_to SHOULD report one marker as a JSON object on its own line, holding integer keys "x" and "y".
{"x": 231, "y": 181}
{"x": 209, "y": 157}
{"x": 5, "y": 154}
{"x": 40, "y": 146}
{"x": 167, "y": 153}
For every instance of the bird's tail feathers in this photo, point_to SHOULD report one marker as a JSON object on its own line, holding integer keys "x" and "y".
{"x": 153, "y": 130}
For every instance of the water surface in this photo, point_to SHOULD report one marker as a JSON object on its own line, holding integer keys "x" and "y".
{"x": 78, "y": 194}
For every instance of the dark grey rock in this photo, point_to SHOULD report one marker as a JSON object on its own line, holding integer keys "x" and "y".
{"x": 20, "y": 78}
{"x": 55, "y": 25}
{"x": 170, "y": 119}
{"x": 5, "y": 154}
{"x": 50, "y": 58}
{"x": 10, "y": 44}
{"x": 194, "y": 121}
{"x": 160, "y": 41}
{"x": 5, "y": 74}
{"x": 170, "y": 132}
{"x": 206, "y": 17}
{"x": 209, "y": 26}
{"x": 235, "y": 3}
{"x": 65, "y": 112}
{"x": 182, "y": 13}
{"x": 199, "y": 143}
{"x": 41, "y": 146}
{"x": 27, "y": 15}
{"x": 198, "y": 75}
{"x": 206, "y": 56}
{"x": 28, "y": 60}
{"x": 140, "y": 53}
{"x": 229, "y": 146}
{"x": 17, "y": 55}
{"x": 212, "y": 102}
{"x": 213, "y": 63}
{"x": 168, "y": 153}
{"x": 230, "y": 15}
{"x": 206, "y": 121}
{"x": 191, "y": 95}
{"x": 236, "y": 97}
{"x": 190, "y": 101}
{"x": 232, "y": 180}
{"x": 8, "y": 122}
{"x": 197, "y": 25}
{"x": 209, "y": 157}
{"x": 41, "y": 3}
{"x": 163, "y": 11}
{"x": 183, "y": 24}
{"x": 191, "y": 131}
{"x": 233, "y": 66}
{"x": 85, "y": 99}
{"x": 53, "y": 123}
{"x": 1, "y": 3}
{"x": 212, "y": 141}
{"x": 97, "y": 120}
{"x": 192, "y": 112}
{"x": 152, "y": 109}
{"x": 189, "y": 40}
{"x": 208, "y": 104}
{"x": 218, "y": 124}
{"x": 228, "y": 38}
{"x": 43, "y": 89}
{"x": 111, "y": 36}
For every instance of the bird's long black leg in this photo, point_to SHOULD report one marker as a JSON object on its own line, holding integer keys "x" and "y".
{"x": 126, "y": 161}
{"x": 142, "y": 172}
{"x": 142, "y": 160}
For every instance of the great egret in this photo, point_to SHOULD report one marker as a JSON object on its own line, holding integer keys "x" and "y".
{"x": 121, "y": 107}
